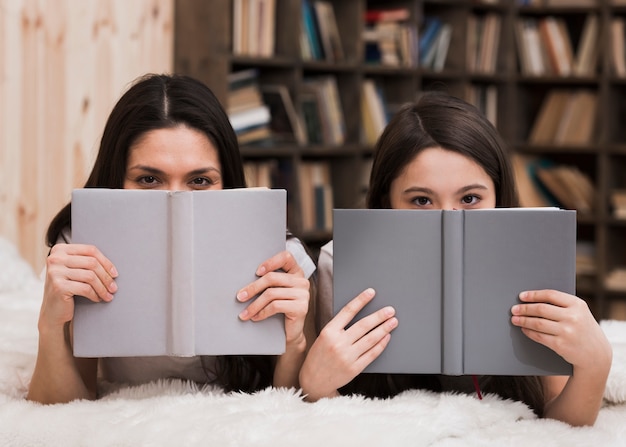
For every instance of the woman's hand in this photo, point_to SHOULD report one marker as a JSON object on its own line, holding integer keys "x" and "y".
{"x": 74, "y": 269}
{"x": 281, "y": 289}
{"x": 338, "y": 354}
{"x": 71, "y": 269}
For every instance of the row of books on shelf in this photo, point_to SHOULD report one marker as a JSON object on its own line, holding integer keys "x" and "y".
{"x": 314, "y": 188}
{"x": 374, "y": 111}
{"x": 566, "y": 117}
{"x": 483, "y": 41}
{"x": 485, "y": 98}
{"x": 319, "y": 37}
{"x": 267, "y": 113}
{"x": 390, "y": 41}
{"x": 541, "y": 182}
{"x": 545, "y": 46}
{"x": 254, "y": 27}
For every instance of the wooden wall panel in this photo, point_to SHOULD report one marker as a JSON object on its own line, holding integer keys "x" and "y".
{"x": 63, "y": 64}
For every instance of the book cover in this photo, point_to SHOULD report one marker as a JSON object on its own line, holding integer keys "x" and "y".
{"x": 181, "y": 257}
{"x": 452, "y": 277}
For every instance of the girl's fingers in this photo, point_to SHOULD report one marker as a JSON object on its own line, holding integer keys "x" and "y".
{"x": 553, "y": 297}
{"x": 350, "y": 310}
{"x": 543, "y": 325}
{"x": 371, "y": 339}
{"x": 370, "y": 324}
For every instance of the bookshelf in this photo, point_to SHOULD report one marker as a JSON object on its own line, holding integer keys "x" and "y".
{"x": 481, "y": 61}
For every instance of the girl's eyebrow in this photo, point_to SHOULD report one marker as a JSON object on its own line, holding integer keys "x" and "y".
{"x": 470, "y": 187}
{"x": 420, "y": 189}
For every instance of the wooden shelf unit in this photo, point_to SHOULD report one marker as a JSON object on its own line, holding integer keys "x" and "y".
{"x": 203, "y": 49}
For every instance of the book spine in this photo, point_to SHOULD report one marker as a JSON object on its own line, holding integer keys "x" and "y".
{"x": 181, "y": 340}
{"x": 452, "y": 290}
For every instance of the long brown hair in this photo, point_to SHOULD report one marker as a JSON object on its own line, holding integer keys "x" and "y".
{"x": 440, "y": 120}
{"x": 159, "y": 101}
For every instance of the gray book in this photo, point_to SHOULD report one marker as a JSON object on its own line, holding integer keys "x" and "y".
{"x": 181, "y": 258}
{"x": 453, "y": 277}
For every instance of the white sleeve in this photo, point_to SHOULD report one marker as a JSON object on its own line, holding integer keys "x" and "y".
{"x": 324, "y": 305}
{"x": 295, "y": 247}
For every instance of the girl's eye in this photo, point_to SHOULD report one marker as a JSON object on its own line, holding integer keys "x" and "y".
{"x": 421, "y": 201}
{"x": 470, "y": 199}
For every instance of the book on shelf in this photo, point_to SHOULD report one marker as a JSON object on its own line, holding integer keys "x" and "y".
{"x": 585, "y": 258}
{"x": 391, "y": 43}
{"x": 618, "y": 46}
{"x": 285, "y": 123}
{"x": 530, "y": 51}
{"x": 452, "y": 277}
{"x": 397, "y": 14}
{"x": 246, "y": 109}
{"x": 260, "y": 174}
{"x": 373, "y": 111}
{"x": 572, "y": 188}
{"x": 254, "y": 27}
{"x": 577, "y": 124}
{"x": 531, "y": 192}
{"x": 312, "y": 47}
{"x": 254, "y": 135}
{"x": 615, "y": 280}
{"x": 588, "y": 47}
{"x": 311, "y": 116}
{"x": 557, "y": 46}
{"x": 328, "y": 31}
{"x": 322, "y": 105}
{"x": 566, "y": 117}
{"x": 434, "y": 42}
{"x": 485, "y": 98}
{"x": 482, "y": 44}
{"x": 547, "y": 121}
{"x": 250, "y": 118}
{"x": 243, "y": 90}
{"x": 181, "y": 257}
{"x": 316, "y": 196}
{"x": 618, "y": 203}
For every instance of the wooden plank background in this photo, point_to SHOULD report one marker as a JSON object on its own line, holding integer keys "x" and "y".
{"x": 63, "y": 64}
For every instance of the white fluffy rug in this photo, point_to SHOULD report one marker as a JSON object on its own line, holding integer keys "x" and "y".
{"x": 178, "y": 413}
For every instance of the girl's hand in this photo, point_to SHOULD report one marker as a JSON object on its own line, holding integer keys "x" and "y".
{"x": 284, "y": 290}
{"x": 338, "y": 354}
{"x": 564, "y": 324}
{"x": 74, "y": 269}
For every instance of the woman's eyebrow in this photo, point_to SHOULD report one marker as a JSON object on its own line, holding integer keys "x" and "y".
{"x": 152, "y": 170}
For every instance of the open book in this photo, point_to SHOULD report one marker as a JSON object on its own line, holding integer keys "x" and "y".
{"x": 181, "y": 258}
{"x": 452, "y": 277}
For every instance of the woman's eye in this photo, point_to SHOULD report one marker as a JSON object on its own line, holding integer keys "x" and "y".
{"x": 201, "y": 181}
{"x": 148, "y": 180}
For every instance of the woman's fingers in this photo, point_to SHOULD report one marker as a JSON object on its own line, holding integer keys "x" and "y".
{"x": 75, "y": 269}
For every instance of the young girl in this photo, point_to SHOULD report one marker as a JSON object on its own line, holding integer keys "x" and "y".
{"x": 441, "y": 153}
{"x": 165, "y": 132}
